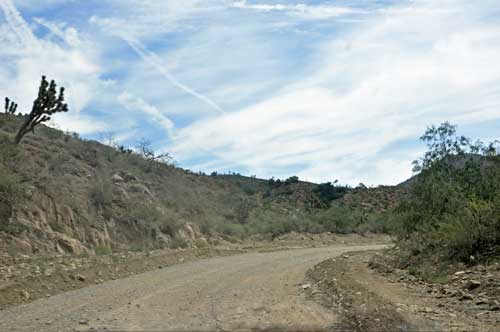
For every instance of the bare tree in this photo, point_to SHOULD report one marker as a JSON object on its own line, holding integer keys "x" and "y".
{"x": 145, "y": 150}
{"x": 47, "y": 103}
{"x": 109, "y": 139}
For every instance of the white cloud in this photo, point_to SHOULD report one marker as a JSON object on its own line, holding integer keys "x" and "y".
{"x": 384, "y": 82}
{"x": 144, "y": 20}
{"x": 139, "y": 19}
{"x": 133, "y": 103}
{"x": 83, "y": 125}
{"x": 71, "y": 65}
{"x": 17, "y": 24}
{"x": 68, "y": 34}
{"x": 153, "y": 60}
{"x": 313, "y": 12}
{"x": 325, "y": 105}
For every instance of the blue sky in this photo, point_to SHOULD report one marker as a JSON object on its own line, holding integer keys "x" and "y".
{"x": 320, "y": 89}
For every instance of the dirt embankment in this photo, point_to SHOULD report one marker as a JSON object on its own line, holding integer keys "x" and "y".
{"x": 371, "y": 296}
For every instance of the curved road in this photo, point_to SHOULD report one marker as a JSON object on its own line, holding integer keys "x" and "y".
{"x": 254, "y": 291}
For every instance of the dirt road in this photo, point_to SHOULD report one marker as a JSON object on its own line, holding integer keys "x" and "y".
{"x": 242, "y": 292}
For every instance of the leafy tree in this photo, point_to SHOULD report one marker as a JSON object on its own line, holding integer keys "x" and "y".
{"x": 442, "y": 142}
{"x": 329, "y": 191}
{"x": 292, "y": 179}
{"x": 451, "y": 205}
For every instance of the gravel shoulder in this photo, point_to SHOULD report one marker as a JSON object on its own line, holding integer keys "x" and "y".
{"x": 367, "y": 299}
{"x": 251, "y": 291}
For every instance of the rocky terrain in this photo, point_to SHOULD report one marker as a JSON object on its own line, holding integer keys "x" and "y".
{"x": 26, "y": 278}
{"x": 371, "y": 295}
{"x": 63, "y": 194}
{"x": 472, "y": 292}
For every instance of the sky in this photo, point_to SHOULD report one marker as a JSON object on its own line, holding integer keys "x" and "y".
{"x": 324, "y": 90}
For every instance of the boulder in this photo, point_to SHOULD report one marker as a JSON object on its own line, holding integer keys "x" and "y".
{"x": 128, "y": 177}
{"x": 140, "y": 188}
{"x": 472, "y": 284}
{"x": 69, "y": 245}
{"x": 120, "y": 194}
{"x": 465, "y": 296}
{"x": 117, "y": 179}
{"x": 25, "y": 295}
{"x": 189, "y": 232}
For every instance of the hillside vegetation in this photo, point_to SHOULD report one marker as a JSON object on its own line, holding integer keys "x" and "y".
{"x": 452, "y": 210}
{"x": 59, "y": 192}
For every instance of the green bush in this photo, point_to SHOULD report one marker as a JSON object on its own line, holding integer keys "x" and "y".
{"x": 234, "y": 230}
{"x": 452, "y": 210}
{"x": 474, "y": 231}
{"x": 178, "y": 242}
{"x": 328, "y": 192}
{"x": 101, "y": 250}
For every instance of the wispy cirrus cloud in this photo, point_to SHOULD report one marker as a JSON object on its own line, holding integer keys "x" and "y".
{"x": 305, "y": 11}
{"x": 381, "y": 84}
{"x": 30, "y": 57}
{"x": 17, "y": 25}
{"x": 322, "y": 89}
{"x": 153, "y": 60}
{"x": 133, "y": 103}
{"x": 68, "y": 34}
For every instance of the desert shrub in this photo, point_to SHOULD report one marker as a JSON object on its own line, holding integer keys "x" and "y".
{"x": 101, "y": 192}
{"x": 474, "y": 231}
{"x": 452, "y": 209}
{"x": 8, "y": 184}
{"x": 178, "y": 242}
{"x": 9, "y": 152}
{"x": 328, "y": 192}
{"x": 52, "y": 134}
{"x": 248, "y": 189}
{"x": 234, "y": 230}
{"x": 292, "y": 179}
{"x": 13, "y": 228}
{"x": 101, "y": 250}
{"x": 170, "y": 227}
{"x": 9, "y": 194}
{"x": 8, "y": 123}
{"x": 58, "y": 227}
{"x": 146, "y": 213}
{"x": 379, "y": 223}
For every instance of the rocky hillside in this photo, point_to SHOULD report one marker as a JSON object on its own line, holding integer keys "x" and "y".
{"x": 61, "y": 193}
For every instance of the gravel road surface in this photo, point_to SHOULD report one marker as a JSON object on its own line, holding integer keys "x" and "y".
{"x": 254, "y": 291}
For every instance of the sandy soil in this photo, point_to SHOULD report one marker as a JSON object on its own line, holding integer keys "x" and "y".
{"x": 253, "y": 291}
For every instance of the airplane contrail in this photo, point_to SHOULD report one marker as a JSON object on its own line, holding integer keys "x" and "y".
{"x": 54, "y": 29}
{"x": 18, "y": 24}
{"x": 155, "y": 61}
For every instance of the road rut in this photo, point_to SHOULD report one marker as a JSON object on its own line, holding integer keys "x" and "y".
{"x": 253, "y": 291}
